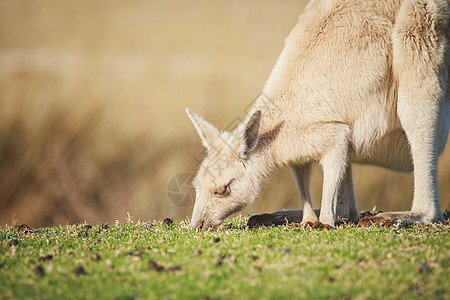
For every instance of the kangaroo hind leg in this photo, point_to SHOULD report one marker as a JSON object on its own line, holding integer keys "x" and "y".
{"x": 419, "y": 50}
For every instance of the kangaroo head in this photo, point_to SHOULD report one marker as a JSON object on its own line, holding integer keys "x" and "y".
{"x": 228, "y": 178}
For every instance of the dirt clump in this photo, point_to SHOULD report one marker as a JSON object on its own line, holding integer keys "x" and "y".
{"x": 174, "y": 269}
{"x": 46, "y": 258}
{"x": 24, "y": 227}
{"x": 39, "y": 270}
{"x": 168, "y": 221}
{"x": 79, "y": 271}
{"x": 154, "y": 266}
{"x": 13, "y": 242}
{"x": 95, "y": 257}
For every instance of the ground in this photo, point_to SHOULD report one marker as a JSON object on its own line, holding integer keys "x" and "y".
{"x": 164, "y": 260}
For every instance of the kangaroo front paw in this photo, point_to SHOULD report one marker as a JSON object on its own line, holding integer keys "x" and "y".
{"x": 380, "y": 219}
{"x": 316, "y": 225}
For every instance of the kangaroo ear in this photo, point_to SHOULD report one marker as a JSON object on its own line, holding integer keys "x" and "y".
{"x": 208, "y": 133}
{"x": 250, "y": 136}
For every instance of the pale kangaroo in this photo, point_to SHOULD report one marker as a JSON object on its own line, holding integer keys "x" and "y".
{"x": 358, "y": 81}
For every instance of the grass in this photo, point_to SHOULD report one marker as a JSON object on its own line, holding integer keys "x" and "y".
{"x": 159, "y": 261}
{"x": 92, "y": 100}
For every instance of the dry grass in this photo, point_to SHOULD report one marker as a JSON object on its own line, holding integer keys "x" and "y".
{"x": 92, "y": 99}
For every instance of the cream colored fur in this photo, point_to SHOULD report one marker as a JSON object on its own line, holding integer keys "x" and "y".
{"x": 357, "y": 82}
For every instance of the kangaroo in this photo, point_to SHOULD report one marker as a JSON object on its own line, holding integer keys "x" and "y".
{"x": 357, "y": 82}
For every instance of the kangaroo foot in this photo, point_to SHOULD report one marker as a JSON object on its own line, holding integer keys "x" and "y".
{"x": 265, "y": 220}
{"x": 400, "y": 219}
{"x": 381, "y": 220}
{"x": 277, "y": 218}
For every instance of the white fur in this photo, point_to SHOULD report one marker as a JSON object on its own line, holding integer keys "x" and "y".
{"x": 357, "y": 81}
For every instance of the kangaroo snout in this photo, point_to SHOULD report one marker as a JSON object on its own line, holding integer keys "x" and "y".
{"x": 201, "y": 224}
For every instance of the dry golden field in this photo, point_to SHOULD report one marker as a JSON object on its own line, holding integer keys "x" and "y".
{"x": 92, "y": 99}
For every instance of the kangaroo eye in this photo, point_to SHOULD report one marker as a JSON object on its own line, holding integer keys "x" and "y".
{"x": 221, "y": 191}
{"x": 224, "y": 190}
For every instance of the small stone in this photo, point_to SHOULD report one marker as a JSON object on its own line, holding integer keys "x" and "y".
{"x": 79, "y": 271}
{"x": 39, "y": 270}
{"x": 285, "y": 251}
{"x": 168, "y": 221}
{"x": 13, "y": 242}
{"x": 154, "y": 266}
{"x": 216, "y": 240}
{"x": 95, "y": 257}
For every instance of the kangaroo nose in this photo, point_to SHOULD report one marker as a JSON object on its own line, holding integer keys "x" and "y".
{"x": 206, "y": 225}
{"x": 197, "y": 225}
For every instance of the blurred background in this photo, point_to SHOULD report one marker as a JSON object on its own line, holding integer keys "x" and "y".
{"x": 92, "y": 99}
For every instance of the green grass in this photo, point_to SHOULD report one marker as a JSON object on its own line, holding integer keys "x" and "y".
{"x": 92, "y": 100}
{"x": 267, "y": 263}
